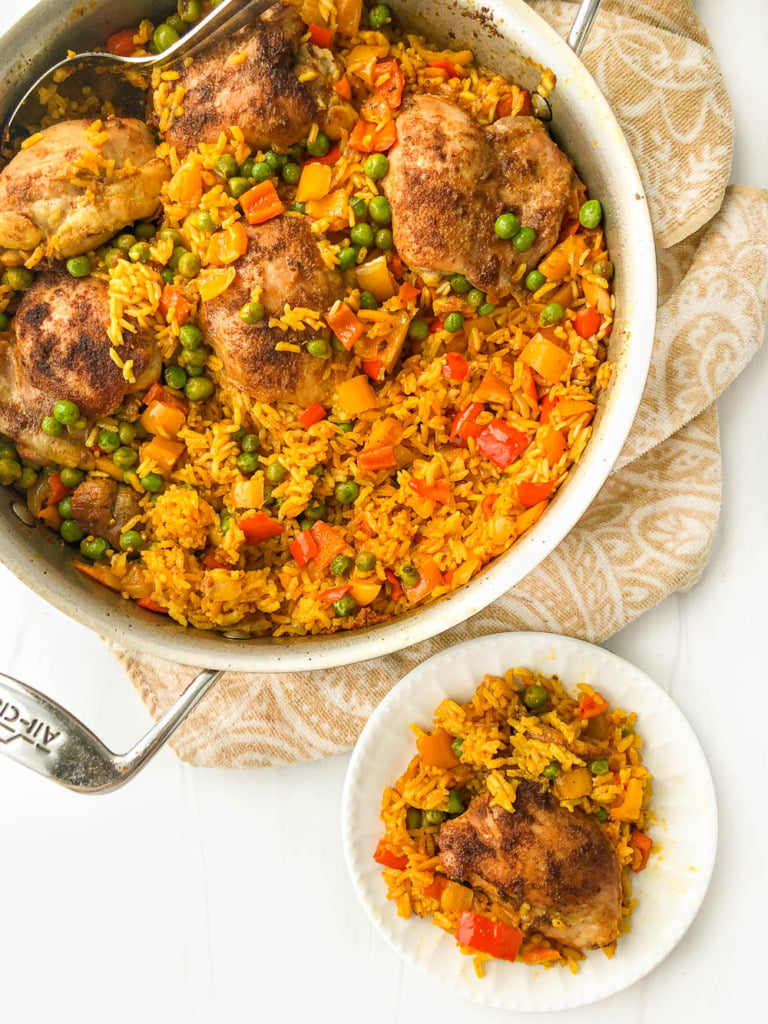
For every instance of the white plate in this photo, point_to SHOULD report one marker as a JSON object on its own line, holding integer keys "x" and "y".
{"x": 670, "y": 890}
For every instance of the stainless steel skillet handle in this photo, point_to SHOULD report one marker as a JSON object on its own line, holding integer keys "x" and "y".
{"x": 582, "y": 24}
{"x": 44, "y": 736}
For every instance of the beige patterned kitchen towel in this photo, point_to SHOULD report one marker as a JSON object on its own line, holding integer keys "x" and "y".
{"x": 648, "y": 532}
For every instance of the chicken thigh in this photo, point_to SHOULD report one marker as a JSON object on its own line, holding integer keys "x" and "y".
{"x": 247, "y": 79}
{"x": 449, "y": 179}
{"x": 283, "y": 259}
{"x": 554, "y": 867}
{"x": 76, "y": 186}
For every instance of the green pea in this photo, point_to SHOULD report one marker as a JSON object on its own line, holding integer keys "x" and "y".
{"x": 305, "y": 524}
{"x": 475, "y": 297}
{"x": 275, "y": 161}
{"x": 320, "y": 145}
{"x": 413, "y": 819}
{"x": 199, "y": 388}
{"x": 591, "y": 213}
{"x": 5, "y": 321}
{"x": 552, "y": 770}
{"x": 226, "y": 166}
{"x": 176, "y": 23}
{"x": 418, "y": 330}
{"x": 131, "y": 540}
{"x": 380, "y": 210}
{"x": 319, "y": 348}
{"x": 318, "y": 470}
{"x": 252, "y": 313}
{"x": 144, "y": 229}
{"x": 460, "y": 284}
{"x": 250, "y": 443}
{"x": 276, "y": 472}
{"x": 204, "y": 221}
{"x": 164, "y": 36}
{"x": 315, "y": 510}
{"x": 225, "y": 520}
{"x": 291, "y": 173}
{"x": 190, "y": 11}
{"x": 139, "y": 253}
{"x": 51, "y": 426}
{"x": 457, "y": 745}
{"x": 171, "y": 235}
{"x": 346, "y": 426}
{"x": 195, "y": 357}
{"x": 409, "y": 575}
{"x": 433, "y": 817}
{"x": 535, "y": 697}
{"x": 454, "y": 322}
{"x": 27, "y": 478}
{"x": 345, "y": 606}
{"x": 189, "y": 265}
{"x": 71, "y": 532}
{"x": 362, "y": 235}
{"x": 601, "y": 814}
{"x": 246, "y": 167}
{"x": 385, "y": 240}
{"x": 603, "y": 268}
{"x": 94, "y": 549}
{"x": 66, "y": 412}
{"x": 486, "y": 309}
{"x": 299, "y": 207}
{"x": 65, "y": 507}
{"x": 368, "y": 301}
{"x": 346, "y": 492}
{"x": 175, "y": 377}
{"x": 10, "y": 470}
{"x": 627, "y": 729}
{"x": 18, "y": 278}
{"x": 524, "y": 239}
{"x": 190, "y": 336}
{"x": 506, "y": 226}
{"x": 248, "y": 462}
{"x": 238, "y": 186}
{"x": 365, "y": 561}
{"x": 599, "y": 767}
{"x": 8, "y": 451}
{"x": 359, "y": 207}
{"x": 152, "y": 482}
{"x": 108, "y": 440}
{"x": 195, "y": 371}
{"x": 341, "y": 565}
{"x": 379, "y": 16}
{"x": 261, "y": 171}
{"x": 125, "y": 241}
{"x": 176, "y": 256}
{"x": 552, "y": 314}
{"x": 71, "y": 477}
{"x": 125, "y": 457}
{"x": 111, "y": 256}
{"x": 167, "y": 275}
{"x": 78, "y": 266}
{"x": 455, "y": 803}
{"x": 376, "y": 166}
{"x": 534, "y": 279}
{"x": 347, "y": 257}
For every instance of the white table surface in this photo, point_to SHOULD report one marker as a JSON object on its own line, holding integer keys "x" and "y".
{"x": 208, "y": 896}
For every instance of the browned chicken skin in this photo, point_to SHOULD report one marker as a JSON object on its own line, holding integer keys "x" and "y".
{"x": 46, "y": 199}
{"x": 102, "y": 507}
{"x": 261, "y": 94}
{"x": 449, "y": 179}
{"x": 558, "y": 862}
{"x": 62, "y": 347}
{"x": 284, "y": 260}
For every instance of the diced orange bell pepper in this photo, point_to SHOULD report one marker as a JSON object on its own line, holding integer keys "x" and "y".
{"x": 186, "y": 186}
{"x": 546, "y": 358}
{"x": 394, "y": 583}
{"x": 163, "y": 418}
{"x": 429, "y": 578}
{"x": 452, "y": 70}
{"x": 228, "y": 245}
{"x": 436, "y": 888}
{"x": 151, "y": 606}
{"x": 163, "y": 451}
{"x": 357, "y": 395}
{"x": 382, "y": 456}
{"x": 329, "y": 544}
{"x": 492, "y": 389}
{"x": 58, "y": 490}
{"x": 439, "y": 490}
{"x": 587, "y": 322}
{"x": 51, "y": 517}
{"x": 554, "y": 444}
{"x": 261, "y": 203}
{"x": 642, "y": 845}
{"x": 365, "y": 592}
{"x": 348, "y": 14}
{"x": 100, "y": 573}
{"x": 121, "y": 43}
{"x": 321, "y": 36}
{"x": 314, "y": 183}
{"x": 160, "y": 393}
{"x": 366, "y": 137}
{"x": 388, "y": 82}
{"x": 258, "y": 527}
{"x": 372, "y": 368}
{"x": 632, "y": 804}
{"x": 435, "y": 749}
{"x": 174, "y": 305}
{"x": 345, "y": 325}
{"x": 304, "y": 548}
{"x": 530, "y": 493}
{"x": 214, "y": 281}
{"x": 343, "y": 88}
{"x": 540, "y": 955}
{"x": 312, "y": 414}
{"x": 591, "y": 705}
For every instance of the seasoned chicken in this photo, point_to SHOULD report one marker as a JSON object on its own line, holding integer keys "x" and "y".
{"x": 449, "y": 179}
{"x": 553, "y": 868}
{"x": 284, "y": 260}
{"x": 62, "y": 348}
{"x": 102, "y": 507}
{"x": 247, "y": 79}
{"x": 76, "y": 186}
{"x": 22, "y": 409}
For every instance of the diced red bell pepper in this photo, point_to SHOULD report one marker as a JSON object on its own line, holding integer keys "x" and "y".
{"x": 261, "y": 203}
{"x": 642, "y": 843}
{"x": 439, "y": 490}
{"x": 330, "y": 158}
{"x": 487, "y": 936}
{"x": 321, "y": 36}
{"x": 174, "y": 305}
{"x": 373, "y": 368}
{"x": 159, "y": 393}
{"x": 587, "y": 322}
{"x": 540, "y": 955}
{"x": 329, "y": 544}
{"x": 303, "y": 548}
{"x": 502, "y": 443}
{"x": 396, "y": 266}
{"x": 429, "y": 578}
{"x": 408, "y": 293}
{"x": 435, "y": 889}
{"x": 529, "y": 383}
{"x": 530, "y": 493}
{"x": 312, "y": 414}
{"x": 456, "y": 366}
{"x": 121, "y": 43}
{"x": 58, "y": 490}
{"x": 397, "y": 590}
{"x": 335, "y": 593}
{"x": 437, "y": 325}
{"x": 388, "y": 82}
{"x": 527, "y": 108}
{"x": 464, "y": 425}
{"x": 592, "y": 705}
{"x": 548, "y": 403}
{"x": 384, "y": 856}
{"x": 345, "y": 325}
{"x": 452, "y": 70}
{"x": 343, "y": 88}
{"x": 258, "y": 527}
{"x": 380, "y": 456}
{"x": 367, "y": 137}
{"x": 487, "y": 504}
